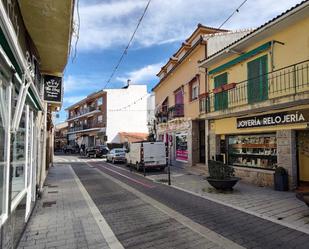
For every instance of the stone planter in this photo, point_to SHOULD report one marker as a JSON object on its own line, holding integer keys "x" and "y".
{"x": 225, "y": 184}
{"x": 303, "y": 197}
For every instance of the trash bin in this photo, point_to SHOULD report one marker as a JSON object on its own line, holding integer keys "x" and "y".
{"x": 281, "y": 179}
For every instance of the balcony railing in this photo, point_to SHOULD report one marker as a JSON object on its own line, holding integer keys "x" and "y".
{"x": 87, "y": 126}
{"x": 284, "y": 82}
{"x": 83, "y": 111}
{"x": 176, "y": 111}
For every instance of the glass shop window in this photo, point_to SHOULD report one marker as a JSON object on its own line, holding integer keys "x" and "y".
{"x": 19, "y": 156}
{"x": 258, "y": 151}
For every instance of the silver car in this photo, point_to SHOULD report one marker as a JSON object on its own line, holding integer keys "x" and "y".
{"x": 116, "y": 155}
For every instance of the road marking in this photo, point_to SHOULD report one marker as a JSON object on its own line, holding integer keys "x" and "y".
{"x": 203, "y": 231}
{"x": 105, "y": 229}
{"x": 125, "y": 176}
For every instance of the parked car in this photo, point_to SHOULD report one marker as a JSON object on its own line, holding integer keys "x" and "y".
{"x": 68, "y": 149}
{"x": 97, "y": 151}
{"x": 116, "y": 155}
{"x": 147, "y": 154}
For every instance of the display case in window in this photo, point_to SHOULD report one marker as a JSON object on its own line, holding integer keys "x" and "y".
{"x": 259, "y": 151}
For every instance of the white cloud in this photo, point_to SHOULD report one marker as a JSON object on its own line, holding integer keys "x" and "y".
{"x": 106, "y": 24}
{"x": 143, "y": 75}
{"x": 82, "y": 82}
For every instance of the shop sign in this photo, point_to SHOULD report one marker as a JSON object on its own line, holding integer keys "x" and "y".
{"x": 52, "y": 88}
{"x": 280, "y": 118}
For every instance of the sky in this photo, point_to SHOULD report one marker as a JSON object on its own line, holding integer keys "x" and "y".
{"x": 106, "y": 26}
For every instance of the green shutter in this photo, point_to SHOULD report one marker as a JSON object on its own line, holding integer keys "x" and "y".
{"x": 221, "y": 99}
{"x": 257, "y": 89}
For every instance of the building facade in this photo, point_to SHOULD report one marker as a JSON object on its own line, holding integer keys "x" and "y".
{"x": 87, "y": 121}
{"x": 257, "y": 102}
{"x": 101, "y": 116}
{"x": 60, "y": 136}
{"x": 177, "y": 95}
{"x": 25, "y": 61}
{"x": 128, "y": 115}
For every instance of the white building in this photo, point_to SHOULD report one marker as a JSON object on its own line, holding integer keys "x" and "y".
{"x": 126, "y": 111}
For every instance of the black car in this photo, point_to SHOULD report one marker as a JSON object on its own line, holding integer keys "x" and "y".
{"x": 97, "y": 151}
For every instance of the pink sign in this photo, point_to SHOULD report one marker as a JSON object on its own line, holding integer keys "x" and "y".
{"x": 182, "y": 155}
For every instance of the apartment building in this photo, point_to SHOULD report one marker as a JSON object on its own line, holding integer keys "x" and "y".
{"x": 104, "y": 116}
{"x": 87, "y": 120}
{"x": 256, "y": 103}
{"x": 60, "y": 136}
{"x": 31, "y": 68}
{"x": 177, "y": 95}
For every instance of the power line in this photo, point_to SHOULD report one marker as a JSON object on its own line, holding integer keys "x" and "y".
{"x": 125, "y": 51}
{"x": 235, "y": 11}
{"x": 131, "y": 104}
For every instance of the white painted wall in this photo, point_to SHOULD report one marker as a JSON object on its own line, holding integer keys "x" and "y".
{"x": 130, "y": 119}
{"x": 218, "y": 41}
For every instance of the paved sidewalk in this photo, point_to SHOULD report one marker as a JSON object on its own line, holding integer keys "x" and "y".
{"x": 66, "y": 224}
{"x": 280, "y": 207}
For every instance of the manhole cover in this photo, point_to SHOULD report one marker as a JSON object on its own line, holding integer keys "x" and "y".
{"x": 48, "y": 203}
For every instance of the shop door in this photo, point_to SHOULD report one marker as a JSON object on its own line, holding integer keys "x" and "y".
{"x": 221, "y": 99}
{"x": 303, "y": 155}
{"x": 257, "y": 88}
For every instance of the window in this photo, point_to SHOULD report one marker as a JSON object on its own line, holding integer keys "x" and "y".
{"x": 258, "y": 151}
{"x": 194, "y": 91}
{"x": 19, "y": 156}
{"x": 100, "y": 118}
{"x": 221, "y": 98}
{"x": 100, "y": 101}
{"x": 257, "y": 80}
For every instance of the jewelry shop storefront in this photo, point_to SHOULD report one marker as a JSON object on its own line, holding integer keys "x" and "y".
{"x": 255, "y": 145}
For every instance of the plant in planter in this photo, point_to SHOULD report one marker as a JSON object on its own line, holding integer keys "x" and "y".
{"x": 221, "y": 176}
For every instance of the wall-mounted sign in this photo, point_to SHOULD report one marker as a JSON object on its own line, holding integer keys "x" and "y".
{"x": 280, "y": 118}
{"x": 52, "y": 88}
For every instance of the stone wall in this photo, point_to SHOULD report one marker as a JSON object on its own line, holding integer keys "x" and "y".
{"x": 287, "y": 158}
{"x": 261, "y": 178}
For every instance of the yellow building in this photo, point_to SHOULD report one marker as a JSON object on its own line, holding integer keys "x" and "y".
{"x": 257, "y": 100}
{"x": 177, "y": 94}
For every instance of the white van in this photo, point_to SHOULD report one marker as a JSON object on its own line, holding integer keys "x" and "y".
{"x": 148, "y": 154}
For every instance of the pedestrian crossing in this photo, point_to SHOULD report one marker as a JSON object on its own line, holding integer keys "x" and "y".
{"x": 76, "y": 159}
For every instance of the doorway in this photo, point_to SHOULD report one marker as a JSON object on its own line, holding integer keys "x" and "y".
{"x": 202, "y": 140}
{"x": 303, "y": 157}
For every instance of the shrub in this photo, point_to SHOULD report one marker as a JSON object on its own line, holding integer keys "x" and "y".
{"x": 219, "y": 170}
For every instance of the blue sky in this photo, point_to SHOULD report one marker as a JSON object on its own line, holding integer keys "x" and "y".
{"x": 107, "y": 25}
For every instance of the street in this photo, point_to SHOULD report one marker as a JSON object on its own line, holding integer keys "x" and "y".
{"x": 141, "y": 213}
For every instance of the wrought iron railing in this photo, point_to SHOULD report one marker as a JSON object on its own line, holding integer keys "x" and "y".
{"x": 284, "y": 82}
{"x": 87, "y": 126}
{"x": 176, "y": 111}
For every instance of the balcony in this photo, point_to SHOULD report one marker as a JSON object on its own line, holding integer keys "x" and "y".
{"x": 281, "y": 86}
{"x": 162, "y": 114}
{"x": 85, "y": 127}
{"x": 84, "y": 112}
{"x": 176, "y": 111}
